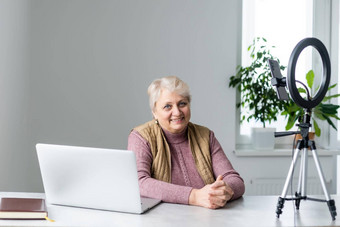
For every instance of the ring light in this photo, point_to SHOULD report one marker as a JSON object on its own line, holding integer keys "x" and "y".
{"x": 293, "y": 91}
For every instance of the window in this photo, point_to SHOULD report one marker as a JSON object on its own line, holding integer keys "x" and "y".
{"x": 283, "y": 23}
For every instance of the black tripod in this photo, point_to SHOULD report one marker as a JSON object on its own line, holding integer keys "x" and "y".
{"x": 301, "y": 194}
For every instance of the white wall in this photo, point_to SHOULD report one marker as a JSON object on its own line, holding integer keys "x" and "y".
{"x": 78, "y": 71}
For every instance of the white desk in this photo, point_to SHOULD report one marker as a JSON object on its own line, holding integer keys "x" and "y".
{"x": 247, "y": 211}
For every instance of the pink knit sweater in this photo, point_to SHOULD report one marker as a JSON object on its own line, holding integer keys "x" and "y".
{"x": 184, "y": 174}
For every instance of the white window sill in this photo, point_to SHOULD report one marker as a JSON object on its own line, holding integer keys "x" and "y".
{"x": 247, "y": 151}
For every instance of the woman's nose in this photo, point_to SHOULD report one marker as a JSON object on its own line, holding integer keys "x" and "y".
{"x": 176, "y": 110}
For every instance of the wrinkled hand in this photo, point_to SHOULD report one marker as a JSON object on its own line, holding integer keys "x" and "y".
{"x": 212, "y": 196}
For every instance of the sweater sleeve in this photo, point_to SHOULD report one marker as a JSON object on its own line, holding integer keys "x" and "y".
{"x": 222, "y": 166}
{"x": 150, "y": 187}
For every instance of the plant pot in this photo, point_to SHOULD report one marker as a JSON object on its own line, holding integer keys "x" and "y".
{"x": 263, "y": 138}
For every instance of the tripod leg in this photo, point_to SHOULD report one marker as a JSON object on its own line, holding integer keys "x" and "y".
{"x": 302, "y": 188}
{"x": 302, "y": 179}
{"x": 332, "y": 208}
{"x": 281, "y": 200}
{"x": 298, "y": 192}
{"x": 330, "y": 203}
{"x": 297, "y": 200}
{"x": 290, "y": 174}
{"x": 304, "y": 175}
{"x": 279, "y": 206}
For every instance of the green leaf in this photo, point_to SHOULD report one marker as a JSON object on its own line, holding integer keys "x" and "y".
{"x": 310, "y": 78}
{"x": 293, "y": 108}
{"x": 301, "y": 90}
{"x": 332, "y": 116}
{"x": 284, "y": 113}
{"x": 317, "y": 129}
{"x": 290, "y": 122}
{"x": 319, "y": 115}
{"x": 330, "y": 97}
{"x": 332, "y": 86}
{"x": 330, "y": 122}
{"x": 328, "y": 108}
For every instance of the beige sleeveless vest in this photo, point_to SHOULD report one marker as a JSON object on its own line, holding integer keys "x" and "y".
{"x": 199, "y": 144}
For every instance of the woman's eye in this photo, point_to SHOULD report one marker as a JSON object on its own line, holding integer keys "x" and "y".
{"x": 182, "y": 104}
{"x": 167, "y": 106}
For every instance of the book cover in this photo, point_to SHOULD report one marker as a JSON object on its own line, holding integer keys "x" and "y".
{"x": 22, "y": 208}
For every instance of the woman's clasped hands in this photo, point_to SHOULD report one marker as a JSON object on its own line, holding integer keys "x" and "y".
{"x": 213, "y": 195}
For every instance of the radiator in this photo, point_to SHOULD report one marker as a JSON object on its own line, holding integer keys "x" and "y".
{"x": 274, "y": 186}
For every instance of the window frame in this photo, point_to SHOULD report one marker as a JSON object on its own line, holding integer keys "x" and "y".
{"x": 334, "y": 143}
{"x": 325, "y": 27}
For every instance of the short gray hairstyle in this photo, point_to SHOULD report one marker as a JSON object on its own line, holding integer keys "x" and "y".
{"x": 171, "y": 83}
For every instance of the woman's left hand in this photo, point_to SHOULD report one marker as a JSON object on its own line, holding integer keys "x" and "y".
{"x": 212, "y": 196}
{"x": 221, "y": 193}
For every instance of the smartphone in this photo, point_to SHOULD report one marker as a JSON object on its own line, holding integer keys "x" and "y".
{"x": 276, "y": 73}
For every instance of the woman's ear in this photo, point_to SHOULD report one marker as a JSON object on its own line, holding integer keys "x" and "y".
{"x": 154, "y": 114}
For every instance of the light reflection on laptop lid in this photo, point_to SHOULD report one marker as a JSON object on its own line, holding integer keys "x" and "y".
{"x": 94, "y": 178}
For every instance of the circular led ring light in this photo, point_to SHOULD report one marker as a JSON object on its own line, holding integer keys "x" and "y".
{"x": 293, "y": 91}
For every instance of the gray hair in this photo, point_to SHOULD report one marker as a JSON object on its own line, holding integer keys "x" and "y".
{"x": 171, "y": 83}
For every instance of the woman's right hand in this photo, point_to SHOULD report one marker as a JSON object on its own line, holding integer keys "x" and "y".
{"x": 211, "y": 196}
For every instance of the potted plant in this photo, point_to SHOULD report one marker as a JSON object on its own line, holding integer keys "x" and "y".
{"x": 258, "y": 98}
{"x": 323, "y": 112}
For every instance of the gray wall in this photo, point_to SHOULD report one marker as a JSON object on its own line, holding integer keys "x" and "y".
{"x": 76, "y": 72}
{"x": 17, "y": 160}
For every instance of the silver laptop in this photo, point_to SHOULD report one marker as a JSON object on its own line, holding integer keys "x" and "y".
{"x": 96, "y": 178}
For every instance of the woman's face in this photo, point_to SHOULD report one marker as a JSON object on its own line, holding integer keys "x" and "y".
{"x": 172, "y": 111}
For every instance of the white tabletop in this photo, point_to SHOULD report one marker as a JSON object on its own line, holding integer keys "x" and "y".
{"x": 246, "y": 211}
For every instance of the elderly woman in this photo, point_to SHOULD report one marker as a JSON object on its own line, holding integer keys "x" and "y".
{"x": 178, "y": 161}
